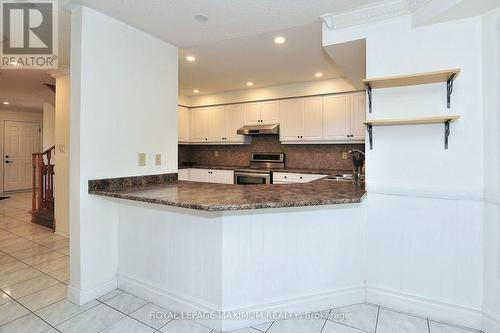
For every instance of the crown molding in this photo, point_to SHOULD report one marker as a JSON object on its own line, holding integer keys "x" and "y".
{"x": 377, "y": 12}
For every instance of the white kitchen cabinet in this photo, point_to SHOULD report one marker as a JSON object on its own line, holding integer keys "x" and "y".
{"x": 222, "y": 176}
{"x": 199, "y": 125}
{"x": 260, "y": 113}
{"x": 233, "y": 122}
{"x": 290, "y": 117}
{"x": 336, "y": 117}
{"x": 208, "y": 175}
{"x": 269, "y": 112}
{"x": 183, "y": 124}
{"x": 183, "y": 174}
{"x": 294, "y": 178}
{"x": 216, "y": 124}
{"x": 301, "y": 119}
{"x": 312, "y": 118}
{"x": 252, "y": 113}
{"x": 358, "y": 116}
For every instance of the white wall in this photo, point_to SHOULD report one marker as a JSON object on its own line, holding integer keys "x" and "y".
{"x": 273, "y": 92}
{"x": 424, "y": 205}
{"x": 491, "y": 103}
{"x": 62, "y": 154}
{"x": 123, "y": 101}
{"x": 19, "y": 116}
{"x": 48, "y": 133}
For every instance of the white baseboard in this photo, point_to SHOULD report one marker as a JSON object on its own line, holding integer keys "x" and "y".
{"x": 81, "y": 297}
{"x": 298, "y": 305}
{"x": 437, "y": 310}
{"x": 491, "y": 321}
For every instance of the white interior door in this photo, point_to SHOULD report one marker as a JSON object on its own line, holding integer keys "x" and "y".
{"x": 21, "y": 140}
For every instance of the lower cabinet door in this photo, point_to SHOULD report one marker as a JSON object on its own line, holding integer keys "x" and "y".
{"x": 184, "y": 174}
{"x": 222, "y": 176}
{"x": 200, "y": 175}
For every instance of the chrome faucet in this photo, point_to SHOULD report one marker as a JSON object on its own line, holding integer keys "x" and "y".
{"x": 358, "y": 159}
{"x": 352, "y": 151}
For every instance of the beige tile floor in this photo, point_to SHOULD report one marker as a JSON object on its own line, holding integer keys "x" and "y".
{"x": 34, "y": 273}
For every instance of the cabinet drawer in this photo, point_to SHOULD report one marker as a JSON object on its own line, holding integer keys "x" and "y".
{"x": 286, "y": 177}
{"x": 283, "y": 177}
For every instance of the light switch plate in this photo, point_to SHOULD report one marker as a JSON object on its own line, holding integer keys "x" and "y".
{"x": 142, "y": 159}
{"x": 158, "y": 159}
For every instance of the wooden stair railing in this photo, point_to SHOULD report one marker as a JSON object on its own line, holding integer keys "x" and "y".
{"x": 42, "y": 201}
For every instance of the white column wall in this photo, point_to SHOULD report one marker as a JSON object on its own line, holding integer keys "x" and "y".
{"x": 491, "y": 102}
{"x": 48, "y": 130}
{"x": 62, "y": 154}
{"x": 424, "y": 204}
{"x": 123, "y": 102}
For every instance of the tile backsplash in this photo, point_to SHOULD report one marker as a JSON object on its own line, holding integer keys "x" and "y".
{"x": 320, "y": 156}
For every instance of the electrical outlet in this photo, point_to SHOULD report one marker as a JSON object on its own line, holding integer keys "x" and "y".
{"x": 344, "y": 155}
{"x": 216, "y": 154}
{"x": 158, "y": 159}
{"x": 142, "y": 159}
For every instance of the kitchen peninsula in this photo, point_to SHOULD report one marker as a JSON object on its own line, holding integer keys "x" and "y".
{"x": 211, "y": 248}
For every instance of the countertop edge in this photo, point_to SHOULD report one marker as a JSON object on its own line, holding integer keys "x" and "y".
{"x": 221, "y": 208}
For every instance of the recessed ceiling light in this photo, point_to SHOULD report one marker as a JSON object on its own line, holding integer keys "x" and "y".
{"x": 279, "y": 40}
{"x": 6, "y": 103}
{"x": 190, "y": 58}
{"x": 201, "y": 18}
{"x": 249, "y": 83}
{"x": 196, "y": 91}
{"x": 318, "y": 74}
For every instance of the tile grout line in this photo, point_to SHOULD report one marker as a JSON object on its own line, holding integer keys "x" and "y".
{"x": 428, "y": 325}
{"x": 128, "y": 315}
{"x": 376, "y": 321}
{"x": 30, "y": 312}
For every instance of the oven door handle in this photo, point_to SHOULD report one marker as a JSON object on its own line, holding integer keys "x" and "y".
{"x": 251, "y": 174}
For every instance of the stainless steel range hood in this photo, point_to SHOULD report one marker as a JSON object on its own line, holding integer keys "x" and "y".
{"x": 259, "y": 129}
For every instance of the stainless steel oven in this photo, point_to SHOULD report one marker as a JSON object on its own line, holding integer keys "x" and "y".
{"x": 250, "y": 177}
{"x": 260, "y": 169}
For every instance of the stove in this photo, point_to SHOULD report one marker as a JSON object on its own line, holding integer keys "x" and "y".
{"x": 260, "y": 169}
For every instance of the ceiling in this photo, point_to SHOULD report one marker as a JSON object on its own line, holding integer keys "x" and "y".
{"x": 233, "y": 47}
{"x": 236, "y": 45}
{"x": 25, "y": 90}
{"x": 229, "y": 64}
{"x": 173, "y": 20}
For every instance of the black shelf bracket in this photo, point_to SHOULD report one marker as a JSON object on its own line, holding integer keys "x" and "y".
{"x": 449, "y": 89}
{"x": 369, "y": 92}
{"x": 369, "y": 127}
{"x": 446, "y": 133}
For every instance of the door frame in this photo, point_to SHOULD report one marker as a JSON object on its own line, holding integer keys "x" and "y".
{"x": 2, "y": 146}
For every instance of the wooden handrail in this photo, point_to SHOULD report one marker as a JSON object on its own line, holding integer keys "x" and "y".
{"x": 43, "y": 187}
{"x": 46, "y": 151}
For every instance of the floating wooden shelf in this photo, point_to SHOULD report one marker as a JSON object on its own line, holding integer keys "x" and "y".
{"x": 447, "y": 76}
{"x": 412, "y": 121}
{"x": 411, "y": 80}
{"x": 446, "y": 120}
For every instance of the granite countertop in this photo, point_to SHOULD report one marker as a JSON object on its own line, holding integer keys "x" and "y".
{"x": 167, "y": 190}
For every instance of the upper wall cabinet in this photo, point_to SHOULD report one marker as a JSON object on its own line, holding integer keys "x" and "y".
{"x": 326, "y": 119}
{"x": 358, "y": 116}
{"x": 217, "y": 124}
{"x": 317, "y": 119}
{"x": 336, "y": 117}
{"x": 301, "y": 119}
{"x": 199, "y": 124}
{"x": 259, "y": 113}
{"x": 183, "y": 124}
